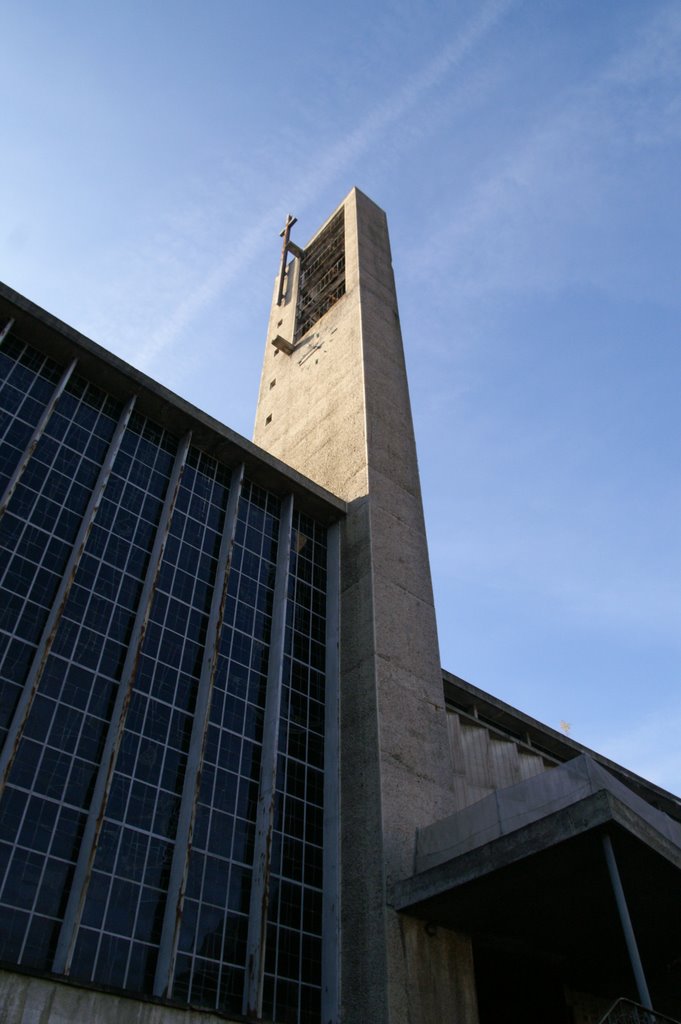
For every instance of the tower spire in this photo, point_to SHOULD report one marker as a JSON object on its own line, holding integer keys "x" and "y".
{"x": 336, "y": 408}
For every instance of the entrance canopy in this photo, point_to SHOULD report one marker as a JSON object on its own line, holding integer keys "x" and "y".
{"x": 524, "y": 870}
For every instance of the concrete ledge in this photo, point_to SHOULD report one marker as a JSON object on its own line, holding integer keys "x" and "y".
{"x": 62, "y": 343}
{"x": 593, "y": 812}
{"x": 544, "y": 890}
{"x": 27, "y": 999}
{"x": 512, "y": 807}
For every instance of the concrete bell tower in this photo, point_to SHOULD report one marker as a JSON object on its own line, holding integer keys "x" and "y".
{"x": 334, "y": 404}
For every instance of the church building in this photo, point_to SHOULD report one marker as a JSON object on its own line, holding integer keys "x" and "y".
{"x": 235, "y": 781}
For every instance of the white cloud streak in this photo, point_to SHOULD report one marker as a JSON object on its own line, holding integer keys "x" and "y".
{"x": 337, "y": 161}
{"x": 561, "y": 175}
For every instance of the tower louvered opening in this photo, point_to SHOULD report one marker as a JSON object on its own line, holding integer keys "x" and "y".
{"x": 322, "y": 275}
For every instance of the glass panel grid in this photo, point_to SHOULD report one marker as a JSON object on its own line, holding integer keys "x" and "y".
{"x": 58, "y": 756}
{"x": 41, "y": 523}
{"x": 43, "y": 809}
{"x": 212, "y": 946}
{"x": 120, "y": 932}
{"x": 27, "y": 382}
{"x": 293, "y": 955}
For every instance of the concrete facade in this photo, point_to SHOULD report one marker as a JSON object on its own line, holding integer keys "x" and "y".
{"x": 28, "y": 1000}
{"x": 337, "y": 409}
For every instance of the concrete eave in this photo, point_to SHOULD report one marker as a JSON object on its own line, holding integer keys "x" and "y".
{"x": 543, "y": 892}
{"x": 62, "y": 343}
{"x": 416, "y": 894}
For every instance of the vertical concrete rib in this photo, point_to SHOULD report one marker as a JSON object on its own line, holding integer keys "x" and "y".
{"x": 35, "y": 437}
{"x": 165, "y": 965}
{"x": 25, "y": 701}
{"x": 6, "y": 329}
{"x": 331, "y": 862}
{"x": 95, "y": 818}
{"x": 257, "y": 914}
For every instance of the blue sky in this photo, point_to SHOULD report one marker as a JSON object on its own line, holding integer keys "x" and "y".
{"x": 528, "y": 155}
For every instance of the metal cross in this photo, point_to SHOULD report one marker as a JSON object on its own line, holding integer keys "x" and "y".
{"x": 286, "y": 235}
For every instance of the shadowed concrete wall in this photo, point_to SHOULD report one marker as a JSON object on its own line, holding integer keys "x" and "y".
{"x": 337, "y": 409}
{"x": 485, "y": 760}
{"x": 27, "y": 1000}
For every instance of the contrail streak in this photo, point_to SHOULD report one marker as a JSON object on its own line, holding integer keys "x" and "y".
{"x": 336, "y": 161}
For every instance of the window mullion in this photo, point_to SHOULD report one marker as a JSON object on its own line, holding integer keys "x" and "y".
{"x": 165, "y": 964}
{"x": 95, "y": 818}
{"x": 257, "y": 915}
{"x": 25, "y": 701}
{"x": 35, "y": 437}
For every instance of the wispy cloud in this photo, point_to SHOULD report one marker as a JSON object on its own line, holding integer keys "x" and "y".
{"x": 563, "y": 174}
{"x": 392, "y": 111}
{"x": 328, "y": 166}
{"x": 204, "y": 293}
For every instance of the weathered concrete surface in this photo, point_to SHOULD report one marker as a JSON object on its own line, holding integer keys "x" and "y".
{"x": 485, "y": 760}
{"x": 338, "y": 411}
{"x": 28, "y": 1000}
{"x": 434, "y": 954}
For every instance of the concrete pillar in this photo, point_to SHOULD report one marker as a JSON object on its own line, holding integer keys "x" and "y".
{"x": 337, "y": 409}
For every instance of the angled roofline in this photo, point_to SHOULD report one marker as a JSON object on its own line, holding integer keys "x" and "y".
{"x": 118, "y": 378}
{"x": 541, "y": 739}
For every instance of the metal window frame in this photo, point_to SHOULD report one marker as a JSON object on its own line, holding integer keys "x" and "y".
{"x": 35, "y": 436}
{"x": 22, "y": 710}
{"x": 257, "y": 914}
{"x": 165, "y": 965}
{"x": 331, "y": 820}
{"x": 88, "y": 847}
